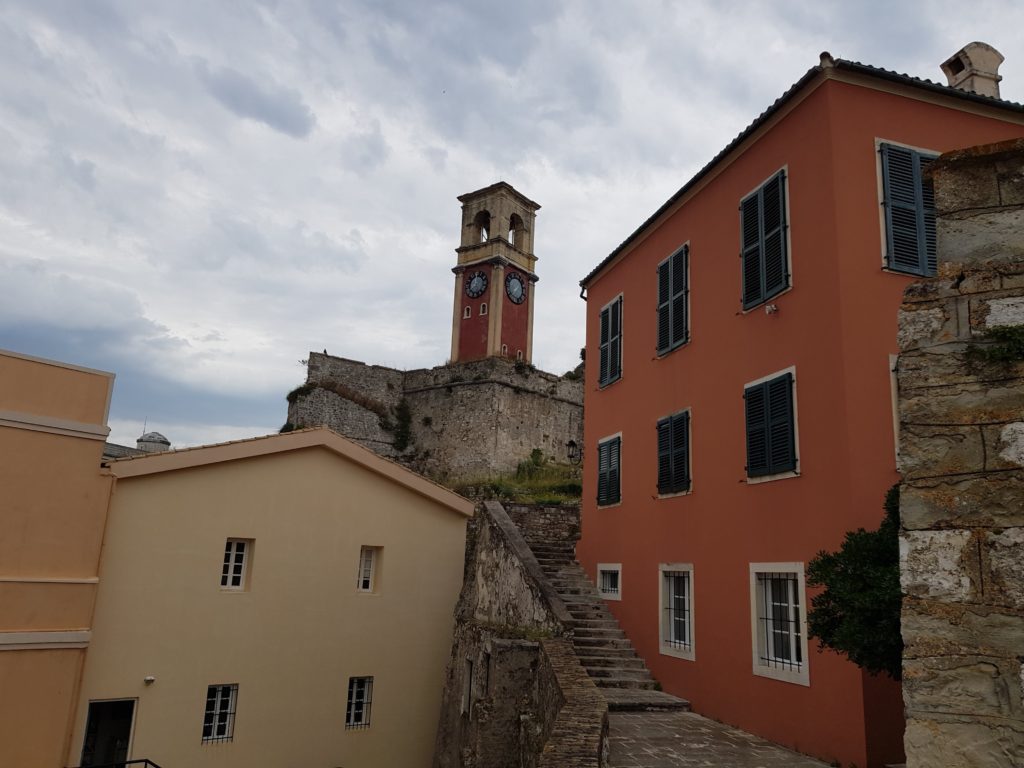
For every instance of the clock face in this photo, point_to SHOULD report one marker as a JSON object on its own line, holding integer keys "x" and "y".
{"x": 476, "y": 284}
{"x": 515, "y": 288}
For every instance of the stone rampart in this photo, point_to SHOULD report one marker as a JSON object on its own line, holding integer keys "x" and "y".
{"x": 515, "y": 694}
{"x": 464, "y": 421}
{"x": 962, "y": 455}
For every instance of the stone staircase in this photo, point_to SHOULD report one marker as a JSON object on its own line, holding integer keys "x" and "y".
{"x": 601, "y": 646}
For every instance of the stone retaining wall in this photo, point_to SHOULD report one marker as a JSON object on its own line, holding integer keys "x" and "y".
{"x": 962, "y": 455}
{"x": 515, "y": 694}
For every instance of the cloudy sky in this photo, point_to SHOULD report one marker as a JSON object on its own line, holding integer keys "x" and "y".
{"x": 194, "y": 194}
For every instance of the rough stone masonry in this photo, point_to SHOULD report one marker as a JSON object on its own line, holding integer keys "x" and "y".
{"x": 962, "y": 457}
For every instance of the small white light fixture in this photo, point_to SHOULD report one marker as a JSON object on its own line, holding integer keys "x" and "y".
{"x": 149, "y": 679}
{"x": 770, "y": 309}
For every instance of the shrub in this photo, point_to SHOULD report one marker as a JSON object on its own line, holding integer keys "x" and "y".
{"x": 857, "y": 614}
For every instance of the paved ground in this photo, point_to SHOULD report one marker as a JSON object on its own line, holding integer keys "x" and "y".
{"x": 686, "y": 740}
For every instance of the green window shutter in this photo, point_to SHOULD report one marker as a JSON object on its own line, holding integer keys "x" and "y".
{"x": 909, "y": 201}
{"x": 680, "y": 331}
{"x": 615, "y": 341}
{"x": 605, "y": 328}
{"x": 750, "y": 233}
{"x": 681, "y": 452}
{"x": 664, "y": 306}
{"x": 613, "y": 470}
{"x": 773, "y": 220}
{"x": 763, "y": 235}
{"x": 756, "y": 404}
{"x": 781, "y": 442}
{"x": 603, "y": 453}
{"x": 665, "y": 456}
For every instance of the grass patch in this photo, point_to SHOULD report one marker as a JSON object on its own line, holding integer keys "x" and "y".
{"x": 536, "y": 480}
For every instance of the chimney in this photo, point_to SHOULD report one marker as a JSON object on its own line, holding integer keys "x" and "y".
{"x": 975, "y": 68}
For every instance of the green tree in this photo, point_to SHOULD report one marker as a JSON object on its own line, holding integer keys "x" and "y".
{"x": 858, "y": 612}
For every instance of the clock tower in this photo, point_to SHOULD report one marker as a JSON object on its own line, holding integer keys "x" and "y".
{"x": 494, "y": 276}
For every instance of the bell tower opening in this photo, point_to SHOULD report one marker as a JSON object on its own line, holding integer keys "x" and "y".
{"x": 494, "y": 275}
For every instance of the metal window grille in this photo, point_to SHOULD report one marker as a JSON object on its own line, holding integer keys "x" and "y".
{"x": 610, "y": 582}
{"x": 779, "y": 616}
{"x": 219, "y": 718}
{"x": 232, "y": 576}
{"x": 676, "y": 597}
{"x": 367, "y": 563}
{"x": 360, "y": 695}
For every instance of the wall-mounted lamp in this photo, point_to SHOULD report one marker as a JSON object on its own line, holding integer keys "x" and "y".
{"x": 770, "y": 309}
{"x": 149, "y": 679}
{"x": 574, "y": 451}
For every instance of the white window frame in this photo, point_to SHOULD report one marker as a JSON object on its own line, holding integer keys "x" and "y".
{"x": 363, "y": 721}
{"x": 615, "y": 568}
{"x": 369, "y": 568}
{"x": 221, "y": 714}
{"x": 761, "y": 665}
{"x": 666, "y": 646}
{"x": 467, "y": 312}
{"x": 796, "y": 428}
{"x": 620, "y": 297}
{"x": 230, "y": 561}
{"x": 483, "y": 308}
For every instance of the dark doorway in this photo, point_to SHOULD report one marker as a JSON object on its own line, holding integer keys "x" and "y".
{"x": 107, "y": 732}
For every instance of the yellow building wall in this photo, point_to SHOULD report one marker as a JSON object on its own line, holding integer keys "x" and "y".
{"x": 52, "y": 428}
{"x": 293, "y": 639}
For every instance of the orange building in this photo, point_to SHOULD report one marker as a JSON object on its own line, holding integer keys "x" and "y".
{"x": 739, "y": 393}
{"x": 53, "y": 424}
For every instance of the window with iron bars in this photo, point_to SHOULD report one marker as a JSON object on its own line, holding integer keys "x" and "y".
{"x": 360, "y": 695}
{"x": 780, "y": 622}
{"x": 219, "y": 718}
{"x": 677, "y": 607}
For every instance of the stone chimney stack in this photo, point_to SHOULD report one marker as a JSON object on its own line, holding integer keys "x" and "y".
{"x": 975, "y": 68}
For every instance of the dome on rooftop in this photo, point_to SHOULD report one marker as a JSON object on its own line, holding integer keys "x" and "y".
{"x": 154, "y": 437}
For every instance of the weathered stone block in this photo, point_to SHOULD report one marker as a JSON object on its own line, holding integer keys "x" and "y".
{"x": 978, "y": 237}
{"x": 932, "y": 628}
{"x": 937, "y": 564}
{"x": 935, "y": 743}
{"x": 966, "y": 188}
{"x": 969, "y": 502}
{"x": 923, "y": 327}
{"x": 929, "y": 451}
{"x": 963, "y": 403}
{"x": 1008, "y": 310}
{"x": 1010, "y": 177}
{"x": 958, "y": 684}
{"x": 1004, "y": 569}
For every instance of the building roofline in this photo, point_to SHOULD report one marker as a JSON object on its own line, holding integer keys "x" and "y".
{"x": 819, "y": 73}
{"x": 494, "y": 188}
{"x": 266, "y": 445}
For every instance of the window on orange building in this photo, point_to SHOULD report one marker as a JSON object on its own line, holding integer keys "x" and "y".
{"x": 611, "y": 343}
{"x": 771, "y": 426}
{"x": 677, "y": 610}
{"x": 764, "y": 249}
{"x": 608, "y": 452}
{"x": 673, "y": 301}
{"x": 780, "y": 621}
{"x": 674, "y": 453}
{"x": 909, "y": 203}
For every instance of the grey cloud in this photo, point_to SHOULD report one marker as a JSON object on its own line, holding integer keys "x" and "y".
{"x": 276, "y": 106}
{"x": 366, "y": 150}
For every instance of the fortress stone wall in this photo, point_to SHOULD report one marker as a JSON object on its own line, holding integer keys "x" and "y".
{"x": 464, "y": 420}
{"x": 962, "y": 456}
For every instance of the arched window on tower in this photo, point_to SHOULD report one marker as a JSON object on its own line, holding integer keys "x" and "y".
{"x": 482, "y": 224}
{"x": 515, "y": 228}
{"x": 467, "y": 313}
{"x": 483, "y": 308}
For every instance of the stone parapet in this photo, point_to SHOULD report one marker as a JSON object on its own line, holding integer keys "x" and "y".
{"x": 962, "y": 457}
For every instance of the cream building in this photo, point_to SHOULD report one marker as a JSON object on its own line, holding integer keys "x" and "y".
{"x": 281, "y": 601}
{"x": 52, "y": 509}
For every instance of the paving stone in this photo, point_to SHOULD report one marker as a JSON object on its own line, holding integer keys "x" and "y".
{"x": 685, "y": 740}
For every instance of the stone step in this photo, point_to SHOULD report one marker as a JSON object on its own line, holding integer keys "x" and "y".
{"x": 599, "y": 633}
{"x": 636, "y": 700}
{"x": 595, "y": 623}
{"x": 645, "y": 684}
{"x": 618, "y": 662}
{"x": 585, "y": 653}
{"x": 601, "y": 642}
{"x": 618, "y": 673}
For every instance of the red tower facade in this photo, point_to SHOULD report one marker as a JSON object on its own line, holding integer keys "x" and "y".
{"x": 494, "y": 276}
